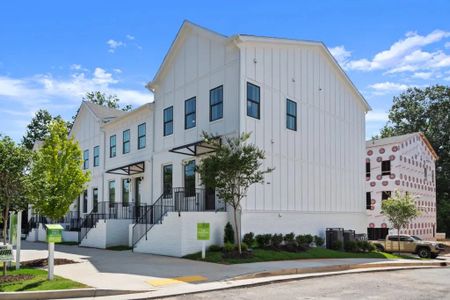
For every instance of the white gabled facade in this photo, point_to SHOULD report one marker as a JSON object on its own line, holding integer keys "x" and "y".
{"x": 407, "y": 164}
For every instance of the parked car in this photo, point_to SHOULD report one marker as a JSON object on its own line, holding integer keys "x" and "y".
{"x": 409, "y": 244}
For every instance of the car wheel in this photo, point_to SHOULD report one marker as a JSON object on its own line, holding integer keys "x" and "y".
{"x": 424, "y": 252}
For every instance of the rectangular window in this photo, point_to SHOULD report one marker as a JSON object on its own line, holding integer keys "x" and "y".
{"x": 125, "y": 192}
{"x": 385, "y": 195}
{"x": 189, "y": 179}
{"x": 253, "y": 101}
{"x": 386, "y": 167}
{"x": 112, "y": 146}
{"x": 216, "y": 103}
{"x": 291, "y": 115}
{"x": 167, "y": 181}
{"x": 96, "y": 156}
{"x": 95, "y": 200}
{"x": 367, "y": 169}
{"x": 432, "y": 176}
{"x": 141, "y": 136}
{"x": 85, "y": 201}
{"x": 126, "y": 141}
{"x": 86, "y": 159}
{"x": 112, "y": 193}
{"x": 368, "y": 200}
{"x": 168, "y": 121}
{"x": 425, "y": 172}
{"x": 189, "y": 113}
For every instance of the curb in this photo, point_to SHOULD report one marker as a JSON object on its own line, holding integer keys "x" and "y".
{"x": 337, "y": 268}
{"x": 69, "y": 293}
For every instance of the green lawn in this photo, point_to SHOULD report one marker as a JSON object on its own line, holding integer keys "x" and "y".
{"x": 272, "y": 255}
{"x": 38, "y": 283}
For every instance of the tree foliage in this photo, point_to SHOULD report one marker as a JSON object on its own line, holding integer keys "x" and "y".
{"x": 56, "y": 174}
{"x": 427, "y": 110}
{"x": 231, "y": 170}
{"x": 111, "y": 101}
{"x": 37, "y": 130}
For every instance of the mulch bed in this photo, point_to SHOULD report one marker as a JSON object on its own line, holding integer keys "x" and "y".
{"x": 40, "y": 263}
{"x": 14, "y": 278}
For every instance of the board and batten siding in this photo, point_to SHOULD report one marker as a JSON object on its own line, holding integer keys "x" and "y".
{"x": 319, "y": 167}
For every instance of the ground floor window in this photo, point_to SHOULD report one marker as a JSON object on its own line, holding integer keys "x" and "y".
{"x": 368, "y": 200}
{"x": 167, "y": 180}
{"x": 125, "y": 192}
{"x": 189, "y": 179}
{"x": 95, "y": 200}
{"x": 377, "y": 233}
{"x": 85, "y": 201}
{"x": 112, "y": 192}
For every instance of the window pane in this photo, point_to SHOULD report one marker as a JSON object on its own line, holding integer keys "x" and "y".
{"x": 85, "y": 201}
{"x": 86, "y": 159}
{"x": 168, "y": 128}
{"x": 168, "y": 121}
{"x": 189, "y": 113}
{"x": 291, "y": 122}
{"x": 190, "y": 105}
{"x": 252, "y": 92}
{"x": 253, "y": 109}
{"x": 216, "y": 103}
{"x": 125, "y": 192}
{"x": 217, "y": 112}
{"x": 167, "y": 181}
{"x": 112, "y": 146}
{"x": 95, "y": 200}
{"x": 141, "y": 130}
{"x": 189, "y": 179}
{"x": 141, "y": 136}
{"x": 126, "y": 141}
{"x": 291, "y": 108}
{"x": 216, "y": 95}
{"x": 190, "y": 121}
{"x": 96, "y": 156}
{"x": 112, "y": 193}
{"x": 168, "y": 114}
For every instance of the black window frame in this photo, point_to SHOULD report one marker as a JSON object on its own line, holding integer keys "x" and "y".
{"x": 96, "y": 156}
{"x": 126, "y": 142}
{"x": 190, "y": 113}
{"x": 368, "y": 169}
{"x": 289, "y": 115}
{"x": 254, "y": 101}
{"x": 126, "y": 200}
{"x": 86, "y": 159}
{"x": 85, "y": 201}
{"x": 95, "y": 200}
{"x": 386, "y": 195}
{"x": 368, "y": 200}
{"x": 218, "y": 104}
{"x": 112, "y": 147}
{"x": 142, "y": 137}
{"x": 189, "y": 185}
{"x": 167, "y": 186}
{"x": 111, "y": 196}
{"x": 383, "y": 167}
{"x": 167, "y": 122}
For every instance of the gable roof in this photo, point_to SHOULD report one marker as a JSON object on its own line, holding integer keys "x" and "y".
{"x": 188, "y": 27}
{"x": 401, "y": 138}
{"x": 103, "y": 112}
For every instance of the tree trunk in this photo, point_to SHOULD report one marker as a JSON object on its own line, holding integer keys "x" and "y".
{"x": 5, "y": 228}
{"x": 236, "y": 227}
{"x": 398, "y": 239}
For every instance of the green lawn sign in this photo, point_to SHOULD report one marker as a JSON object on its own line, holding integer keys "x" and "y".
{"x": 54, "y": 233}
{"x": 203, "y": 232}
{"x": 6, "y": 253}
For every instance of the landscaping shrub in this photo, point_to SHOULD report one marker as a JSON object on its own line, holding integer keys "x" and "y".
{"x": 318, "y": 241}
{"x": 244, "y": 247}
{"x": 249, "y": 239}
{"x": 365, "y": 246}
{"x": 228, "y": 234}
{"x": 276, "y": 240}
{"x": 289, "y": 238}
{"x": 336, "y": 245}
{"x": 228, "y": 247}
{"x": 309, "y": 239}
{"x": 215, "y": 248}
{"x": 263, "y": 240}
{"x": 301, "y": 240}
{"x": 351, "y": 246}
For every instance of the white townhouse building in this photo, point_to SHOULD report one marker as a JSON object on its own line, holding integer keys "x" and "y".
{"x": 298, "y": 104}
{"x": 403, "y": 163}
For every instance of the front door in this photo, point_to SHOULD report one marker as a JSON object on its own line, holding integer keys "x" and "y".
{"x": 210, "y": 198}
{"x": 137, "y": 196}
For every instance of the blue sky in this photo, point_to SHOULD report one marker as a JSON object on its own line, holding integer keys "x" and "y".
{"x": 53, "y": 52}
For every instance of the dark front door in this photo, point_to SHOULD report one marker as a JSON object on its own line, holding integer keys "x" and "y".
{"x": 210, "y": 198}
{"x": 137, "y": 196}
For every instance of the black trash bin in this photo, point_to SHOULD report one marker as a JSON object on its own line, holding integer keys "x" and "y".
{"x": 334, "y": 235}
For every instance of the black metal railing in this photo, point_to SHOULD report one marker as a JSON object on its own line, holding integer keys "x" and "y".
{"x": 107, "y": 211}
{"x": 177, "y": 200}
{"x": 72, "y": 221}
{"x": 33, "y": 223}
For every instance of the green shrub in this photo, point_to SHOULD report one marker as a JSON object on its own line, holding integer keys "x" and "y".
{"x": 228, "y": 247}
{"x": 318, "y": 240}
{"x": 214, "y": 248}
{"x": 309, "y": 238}
{"x": 365, "y": 246}
{"x": 351, "y": 246}
{"x": 228, "y": 234}
{"x": 289, "y": 239}
{"x": 244, "y": 247}
{"x": 263, "y": 240}
{"x": 249, "y": 239}
{"x": 336, "y": 245}
{"x": 276, "y": 240}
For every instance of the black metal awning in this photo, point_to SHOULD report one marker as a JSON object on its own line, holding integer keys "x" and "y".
{"x": 131, "y": 169}
{"x": 195, "y": 149}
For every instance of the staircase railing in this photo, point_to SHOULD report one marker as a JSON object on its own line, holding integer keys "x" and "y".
{"x": 34, "y": 222}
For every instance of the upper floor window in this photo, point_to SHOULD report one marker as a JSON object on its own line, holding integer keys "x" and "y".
{"x": 291, "y": 115}
{"x": 386, "y": 195}
{"x": 96, "y": 156}
{"x": 386, "y": 167}
{"x": 126, "y": 141}
{"x": 189, "y": 113}
{"x": 425, "y": 172}
{"x": 168, "y": 121}
{"x": 368, "y": 200}
{"x": 86, "y": 159}
{"x": 141, "y": 136}
{"x": 253, "y": 101}
{"x": 216, "y": 103}
{"x": 367, "y": 169}
{"x": 112, "y": 146}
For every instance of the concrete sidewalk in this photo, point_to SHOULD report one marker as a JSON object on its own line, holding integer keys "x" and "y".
{"x": 125, "y": 270}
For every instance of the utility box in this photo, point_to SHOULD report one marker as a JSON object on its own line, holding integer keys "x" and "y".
{"x": 54, "y": 233}
{"x": 333, "y": 236}
{"x": 349, "y": 235}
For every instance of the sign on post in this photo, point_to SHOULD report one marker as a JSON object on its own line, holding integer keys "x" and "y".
{"x": 6, "y": 253}
{"x": 203, "y": 234}
{"x": 54, "y": 233}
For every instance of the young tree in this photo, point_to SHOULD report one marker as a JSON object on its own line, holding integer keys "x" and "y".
{"x": 400, "y": 211}
{"x": 427, "y": 110}
{"x": 14, "y": 163}
{"x": 37, "y": 130}
{"x": 56, "y": 174}
{"x": 111, "y": 101}
{"x": 231, "y": 170}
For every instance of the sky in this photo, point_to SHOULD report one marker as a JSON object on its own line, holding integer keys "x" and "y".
{"x": 53, "y": 52}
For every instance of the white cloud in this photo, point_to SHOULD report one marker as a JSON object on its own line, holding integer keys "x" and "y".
{"x": 422, "y": 75}
{"x": 376, "y": 116}
{"x": 340, "y": 54}
{"x": 447, "y": 45}
{"x": 102, "y": 77}
{"x": 75, "y": 67}
{"x": 387, "y": 87}
{"x": 113, "y": 45}
{"x": 118, "y": 71}
{"x": 130, "y": 37}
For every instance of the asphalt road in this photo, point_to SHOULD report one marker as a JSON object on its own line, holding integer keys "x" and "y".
{"x": 398, "y": 285}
